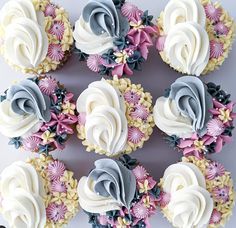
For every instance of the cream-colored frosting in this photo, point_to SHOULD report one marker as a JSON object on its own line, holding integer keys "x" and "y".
{"x": 187, "y": 48}
{"x": 107, "y": 128}
{"x": 25, "y": 41}
{"x": 15, "y": 125}
{"x": 179, "y": 11}
{"x": 22, "y": 195}
{"x": 88, "y": 42}
{"x": 106, "y": 124}
{"x": 190, "y": 204}
{"x": 169, "y": 120}
{"x": 92, "y": 202}
{"x": 191, "y": 207}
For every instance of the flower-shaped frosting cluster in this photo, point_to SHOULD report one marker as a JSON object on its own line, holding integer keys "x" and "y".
{"x": 139, "y": 114}
{"x": 61, "y": 200}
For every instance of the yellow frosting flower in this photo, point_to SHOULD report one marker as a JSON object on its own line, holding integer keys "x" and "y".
{"x": 121, "y": 57}
{"x": 199, "y": 145}
{"x": 224, "y": 115}
{"x": 144, "y": 187}
{"x": 48, "y": 137}
{"x": 68, "y": 108}
{"x": 139, "y": 25}
{"x": 122, "y": 223}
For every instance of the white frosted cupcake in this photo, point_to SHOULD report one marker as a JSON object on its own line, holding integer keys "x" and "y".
{"x": 35, "y": 35}
{"x": 115, "y": 117}
{"x": 38, "y": 193}
{"x": 197, "y": 193}
{"x": 196, "y": 36}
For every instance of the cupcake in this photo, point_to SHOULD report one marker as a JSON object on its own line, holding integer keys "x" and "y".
{"x": 197, "y": 193}
{"x": 114, "y": 117}
{"x": 37, "y": 114}
{"x": 197, "y": 118}
{"x": 113, "y": 37}
{"x": 118, "y": 194}
{"x": 38, "y": 193}
{"x": 196, "y": 36}
{"x": 35, "y": 35}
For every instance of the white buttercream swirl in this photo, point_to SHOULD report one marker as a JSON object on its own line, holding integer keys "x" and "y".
{"x": 168, "y": 119}
{"x": 179, "y": 11}
{"x": 106, "y": 124}
{"x": 15, "y": 125}
{"x": 92, "y": 202}
{"x": 88, "y": 42}
{"x": 187, "y": 48}
{"x": 25, "y": 39}
{"x": 22, "y": 196}
{"x": 190, "y": 204}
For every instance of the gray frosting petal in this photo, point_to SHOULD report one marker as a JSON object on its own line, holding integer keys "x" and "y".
{"x": 193, "y": 101}
{"x": 26, "y": 98}
{"x": 113, "y": 179}
{"x": 103, "y": 16}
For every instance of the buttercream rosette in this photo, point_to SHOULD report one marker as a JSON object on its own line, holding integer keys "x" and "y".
{"x": 113, "y": 36}
{"x": 197, "y": 193}
{"x": 38, "y": 114}
{"x": 195, "y": 36}
{"x": 35, "y": 35}
{"x": 118, "y": 193}
{"x": 196, "y": 118}
{"x": 114, "y": 117}
{"x": 39, "y": 193}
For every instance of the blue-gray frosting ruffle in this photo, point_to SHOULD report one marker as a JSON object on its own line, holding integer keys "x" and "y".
{"x": 113, "y": 179}
{"x": 193, "y": 101}
{"x": 103, "y": 16}
{"x": 27, "y": 98}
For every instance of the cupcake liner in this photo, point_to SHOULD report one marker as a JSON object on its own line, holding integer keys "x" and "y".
{"x": 220, "y": 28}
{"x": 44, "y": 134}
{"x": 218, "y": 183}
{"x": 144, "y": 201}
{"x": 57, "y": 198}
{"x": 138, "y": 104}
{"x": 59, "y": 34}
{"x": 122, "y": 53}
{"x": 218, "y": 128}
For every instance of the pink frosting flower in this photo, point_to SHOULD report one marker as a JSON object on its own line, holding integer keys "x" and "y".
{"x": 140, "y": 172}
{"x": 140, "y": 36}
{"x": 82, "y": 118}
{"x": 221, "y": 28}
{"x": 130, "y": 11}
{"x": 140, "y": 111}
{"x": 215, "y": 127}
{"x": 58, "y": 186}
{"x": 221, "y": 194}
{"x": 55, "y": 52}
{"x": 48, "y": 85}
{"x": 212, "y": 12}
{"x": 93, "y": 62}
{"x": 214, "y": 170}
{"x": 216, "y": 49}
{"x": 56, "y": 170}
{"x": 56, "y": 212}
{"x": 132, "y": 97}
{"x": 62, "y": 122}
{"x": 164, "y": 199}
{"x": 140, "y": 211}
{"x": 31, "y": 143}
{"x": 215, "y": 217}
{"x": 57, "y": 29}
{"x": 103, "y": 220}
{"x": 160, "y": 43}
{"x": 135, "y": 135}
{"x": 50, "y": 10}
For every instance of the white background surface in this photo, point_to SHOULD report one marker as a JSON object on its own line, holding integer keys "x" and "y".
{"x": 155, "y": 77}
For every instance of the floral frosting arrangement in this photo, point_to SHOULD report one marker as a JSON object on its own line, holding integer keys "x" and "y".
{"x": 197, "y": 193}
{"x": 115, "y": 117}
{"x": 35, "y": 35}
{"x": 118, "y": 194}
{"x": 196, "y": 36}
{"x": 113, "y": 36}
{"x": 39, "y": 193}
{"x": 197, "y": 118}
{"x": 38, "y": 114}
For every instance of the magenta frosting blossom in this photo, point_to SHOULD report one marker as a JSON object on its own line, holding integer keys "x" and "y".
{"x": 140, "y": 112}
{"x": 212, "y": 12}
{"x": 56, "y": 170}
{"x": 50, "y": 10}
{"x": 216, "y": 49}
{"x": 48, "y": 85}
{"x": 221, "y": 28}
{"x": 132, "y": 97}
{"x": 221, "y": 194}
{"x": 214, "y": 170}
{"x": 215, "y": 127}
{"x": 55, "y": 52}
{"x": 94, "y": 62}
{"x": 215, "y": 217}
{"x": 130, "y": 11}
{"x": 160, "y": 43}
{"x": 57, "y": 29}
{"x": 164, "y": 198}
{"x": 58, "y": 186}
{"x": 31, "y": 143}
{"x": 135, "y": 135}
{"x": 56, "y": 212}
{"x": 140, "y": 211}
{"x": 140, "y": 173}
